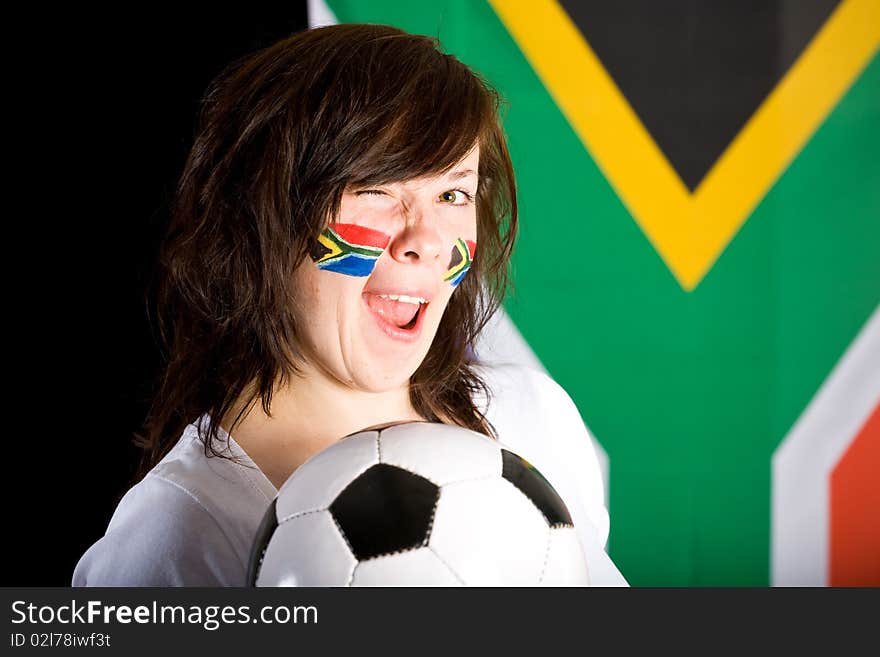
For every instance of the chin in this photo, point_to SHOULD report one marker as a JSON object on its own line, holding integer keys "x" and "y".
{"x": 380, "y": 384}
{"x": 378, "y": 379}
{"x": 383, "y": 372}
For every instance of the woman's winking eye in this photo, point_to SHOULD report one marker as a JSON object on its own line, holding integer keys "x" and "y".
{"x": 450, "y": 196}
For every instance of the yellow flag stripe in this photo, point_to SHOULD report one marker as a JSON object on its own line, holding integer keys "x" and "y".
{"x": 690, "y": 231}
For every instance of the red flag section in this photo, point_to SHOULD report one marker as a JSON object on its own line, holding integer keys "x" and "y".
{"x": 855, "y": 510}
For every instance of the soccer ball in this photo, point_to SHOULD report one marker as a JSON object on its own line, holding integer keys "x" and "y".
{"x": 417, "y": 504}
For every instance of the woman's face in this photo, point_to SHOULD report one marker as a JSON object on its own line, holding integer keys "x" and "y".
{"x": 372, "y": 294}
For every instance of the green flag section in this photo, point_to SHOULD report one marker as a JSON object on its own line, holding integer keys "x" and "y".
{"x": 689, "y": 392}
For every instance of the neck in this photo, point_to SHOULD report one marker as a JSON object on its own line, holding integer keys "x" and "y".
{"x": 310, "y": 413}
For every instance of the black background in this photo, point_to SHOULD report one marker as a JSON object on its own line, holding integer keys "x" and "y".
{"x": 105, "y": 109}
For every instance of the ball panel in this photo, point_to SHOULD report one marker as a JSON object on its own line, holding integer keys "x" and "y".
{"x": 385, "y": 510}
{"x": 566, "y": 563}
{"x": 307, "y": 550}
{"x": 419, "y": 567}
{"x": 264, "y": 532}
{"x": 490, "y": 534}
{"x": 317, "y": 482}
{"x": 439, "y": 452}
{"x": 533, "y": 485}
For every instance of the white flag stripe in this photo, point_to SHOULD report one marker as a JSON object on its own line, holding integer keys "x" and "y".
{"x": 320, "y": 14}
{"x": 804, "y": 461}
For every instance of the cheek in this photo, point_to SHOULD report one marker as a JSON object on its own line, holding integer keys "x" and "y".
{"x": 462, "y": 247}
{"x": 323, "y": 306}
{"x": 319, "y": 293}
{"x": 460, "y": 257}
{"x": 350, "y": 249}
{"x": 307, "y": 296}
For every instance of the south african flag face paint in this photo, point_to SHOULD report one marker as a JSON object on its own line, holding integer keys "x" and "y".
{"x": 460, "y": 261}
{"x": 349, "y": 249}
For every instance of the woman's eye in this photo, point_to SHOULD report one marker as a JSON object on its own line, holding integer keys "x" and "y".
{"x": 370, "y": 192}
{"x": 456, "y": 197}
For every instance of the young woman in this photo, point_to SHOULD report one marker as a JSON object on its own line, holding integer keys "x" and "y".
{"x": 341, "y": 234}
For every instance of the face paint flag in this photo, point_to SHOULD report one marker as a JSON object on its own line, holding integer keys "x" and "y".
{"x": 460, "y": 262}
{"x": 349, "y": 249}
{"x": 712, "y": 171}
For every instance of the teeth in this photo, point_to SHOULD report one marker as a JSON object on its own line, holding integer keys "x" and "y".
{"x": 402, "y": 298}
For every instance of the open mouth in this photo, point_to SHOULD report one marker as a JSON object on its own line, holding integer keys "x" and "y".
{"x": 400, "y": 314}
{"x": 411, "y": 323}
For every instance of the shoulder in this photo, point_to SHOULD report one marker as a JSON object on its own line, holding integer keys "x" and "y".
{"x": 189, "y": 522}
{"x": 516, "y": 390}
{"x": 159, "y": 535}
{"x": 535, "y": 417}
{"x": 527, "y": 407}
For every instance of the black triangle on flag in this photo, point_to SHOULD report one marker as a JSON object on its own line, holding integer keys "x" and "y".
{"x": 695, "y": 71}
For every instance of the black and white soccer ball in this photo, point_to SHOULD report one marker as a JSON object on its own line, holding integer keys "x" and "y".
{"x": 417, "y": 504}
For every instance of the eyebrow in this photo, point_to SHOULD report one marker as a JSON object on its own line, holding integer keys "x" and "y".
{"x": 455, "y": 175}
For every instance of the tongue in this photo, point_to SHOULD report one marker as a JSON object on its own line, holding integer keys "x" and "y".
{"x": 395, "y": 312}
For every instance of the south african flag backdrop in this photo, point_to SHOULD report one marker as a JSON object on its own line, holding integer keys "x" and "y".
{"x": 698, "y": 264}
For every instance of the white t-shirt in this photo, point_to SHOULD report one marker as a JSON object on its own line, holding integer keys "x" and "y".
{"x": 192, "y": 520}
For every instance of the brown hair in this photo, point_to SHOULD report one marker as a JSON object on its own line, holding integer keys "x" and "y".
{"x": 282, "y": 133}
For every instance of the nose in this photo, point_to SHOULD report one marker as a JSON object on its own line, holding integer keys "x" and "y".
{"x": 419, "y": 240}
